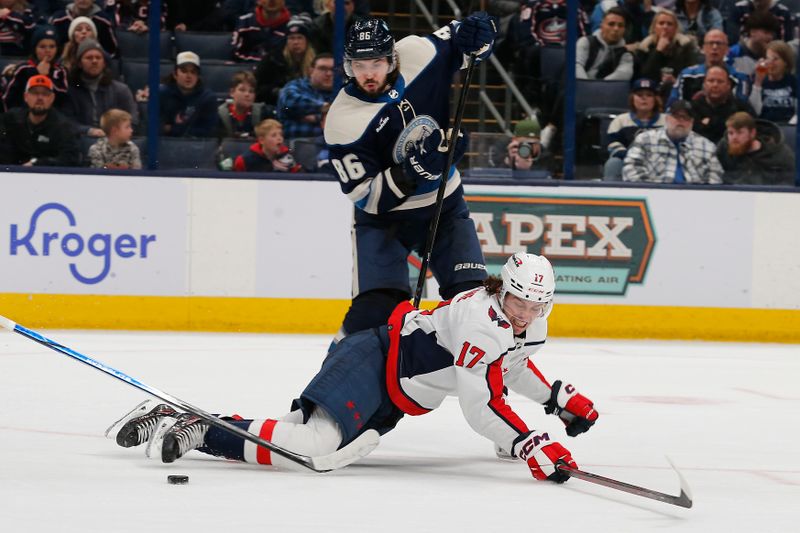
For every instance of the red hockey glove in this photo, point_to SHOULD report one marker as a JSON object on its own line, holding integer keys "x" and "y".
{"x": 542, "y": 454}
{"x": 574, "y": 409}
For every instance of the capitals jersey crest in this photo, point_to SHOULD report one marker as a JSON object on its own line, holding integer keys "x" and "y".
{"x": 497, "y": 318}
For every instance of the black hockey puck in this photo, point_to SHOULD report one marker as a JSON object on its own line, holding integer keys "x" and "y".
{"x": 177, "y": 480}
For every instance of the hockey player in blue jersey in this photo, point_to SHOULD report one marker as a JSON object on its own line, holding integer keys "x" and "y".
{"x": 385, "y": 132}
{"x": 471, "y": 347}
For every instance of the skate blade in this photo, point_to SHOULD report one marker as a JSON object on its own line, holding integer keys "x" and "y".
{"x": 139, "y": 410}
{"x": 156, "y": 442}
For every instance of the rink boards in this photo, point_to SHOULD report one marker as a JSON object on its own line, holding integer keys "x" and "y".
{"x": 135, "y": 252}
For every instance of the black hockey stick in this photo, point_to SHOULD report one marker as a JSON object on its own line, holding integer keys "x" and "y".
{"x": 359, "y": 447}
{"x": 682, "y": 500}
{"x": 426, "y": 256}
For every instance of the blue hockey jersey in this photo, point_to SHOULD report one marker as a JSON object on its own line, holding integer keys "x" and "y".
{"x": 368, "y": 136}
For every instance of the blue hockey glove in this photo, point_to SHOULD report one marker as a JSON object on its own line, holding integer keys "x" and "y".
{"x": 426, "y": 161}
{"x": 476, "y": 32}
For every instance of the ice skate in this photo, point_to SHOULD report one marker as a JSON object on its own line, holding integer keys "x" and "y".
{"x": 174, "y": 437}
{"x": 137, "y": 426}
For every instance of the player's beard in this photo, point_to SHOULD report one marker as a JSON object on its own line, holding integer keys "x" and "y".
{"x": 375, "y": 89}
{"x": 739, "y": 149}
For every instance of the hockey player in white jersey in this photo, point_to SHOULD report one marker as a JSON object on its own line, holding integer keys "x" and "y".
{"x": 471, "y": 347}
{"x": 386, "y": 138}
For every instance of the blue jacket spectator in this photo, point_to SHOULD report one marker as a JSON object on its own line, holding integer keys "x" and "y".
{"x": 44, "y": 56}
{"x": 86, "y": 8}
{"x": 715, "y": 50}
{"x": 16, "y": 27}
{"x": 303, "y": 102}
{"x": 187, "y": 108}
{"x": 259, "y": 31}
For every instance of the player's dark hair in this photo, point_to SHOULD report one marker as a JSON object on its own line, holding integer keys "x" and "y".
{"x": 493, "y": 284}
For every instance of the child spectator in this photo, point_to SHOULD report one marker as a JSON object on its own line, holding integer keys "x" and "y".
{"x": 774, "y": 93}
{"x": 43, "y": 61}
{"x": 80, "y": 28}
{"x": 16, "y": 26}
{"x": 115, "y": 150}
{"x": 239, "y": 116}
{"x": 268, "y": 153}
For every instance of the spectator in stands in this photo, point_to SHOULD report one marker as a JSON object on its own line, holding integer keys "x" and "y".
{"x": 43, "y": 61}
{"x": 16, "y": 27}
{"x": 751, "y": 160}
{"x": 774, "y": 93}
{"x": 262, "y": 29}
{"x": 280, "y": 66}
{"x": 233, "y": 9}
{"x": 325, "y": 24}
{"x": 132, "y": 15}
{"x": 103, "y": 22}
{"x": 715, "y": 50}
{"x": 79, "y": 29}
{"x": 188, "y": 109}
{"x": 524, "y": 152}
{"x": 760, "y": 30}
{"x": 665, "y": 52}
{"x": 195, "y": 15}
{"x": 304, "y": 101}
{"x": 37, "y": 135}
{"x": 602, "y": 55}
{"x": 697, "y": 17}
{"x": 673, "y": 154}
{"x": 645, "y": 113}
{"x": 715, "y": 103}
{"x": 308, "y": 6}
{"x": 93, "y": 91}
{"x": 746, "y": 8}
{"x": 239, "y": 116}
{"x": 268, "y": 153}
{"x": 638, "y": 17}
{"x": 115, "y": 150}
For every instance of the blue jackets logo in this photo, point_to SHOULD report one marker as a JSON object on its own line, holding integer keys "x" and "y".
{"x": 74, "y": 244}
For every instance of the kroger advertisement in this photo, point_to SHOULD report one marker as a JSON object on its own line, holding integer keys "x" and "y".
{"x": 149, "y": 236}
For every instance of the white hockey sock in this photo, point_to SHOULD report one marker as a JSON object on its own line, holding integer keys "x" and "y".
{"x": 319, "y": 436}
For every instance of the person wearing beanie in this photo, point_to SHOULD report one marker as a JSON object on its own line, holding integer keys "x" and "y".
{"x": 103, "y": 21}
{"x": 44, "y": 61}
{"x": 188, "y": 109}
{"x": 93, "y": 90}
{"x": 37, "y": 134}
{"x": 279, "y": 66}
{"x": 80, "y": 28}
{"x": 17, "y": 23}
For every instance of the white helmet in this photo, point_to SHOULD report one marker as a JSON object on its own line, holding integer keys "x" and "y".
{"x": 529, "y": 277}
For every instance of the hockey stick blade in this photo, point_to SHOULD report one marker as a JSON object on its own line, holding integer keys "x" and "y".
{"x": 682, "y": 500}
{"x": 356, "y": 449}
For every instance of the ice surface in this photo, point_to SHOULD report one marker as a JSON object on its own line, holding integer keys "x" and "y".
{"x": 726, "y": 414}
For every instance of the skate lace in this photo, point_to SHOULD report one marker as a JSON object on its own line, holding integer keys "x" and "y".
{"x": 191, "y": 437}
{"x": 145, "y": 428}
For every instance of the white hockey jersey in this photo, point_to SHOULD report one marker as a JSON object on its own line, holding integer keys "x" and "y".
{"x": 465, "y": 348}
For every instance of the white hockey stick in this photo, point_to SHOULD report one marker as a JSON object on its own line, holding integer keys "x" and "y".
{"x": 356, "y": 449}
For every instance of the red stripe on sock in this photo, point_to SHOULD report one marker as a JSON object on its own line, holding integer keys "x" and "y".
{"x": 263, "y": 455}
